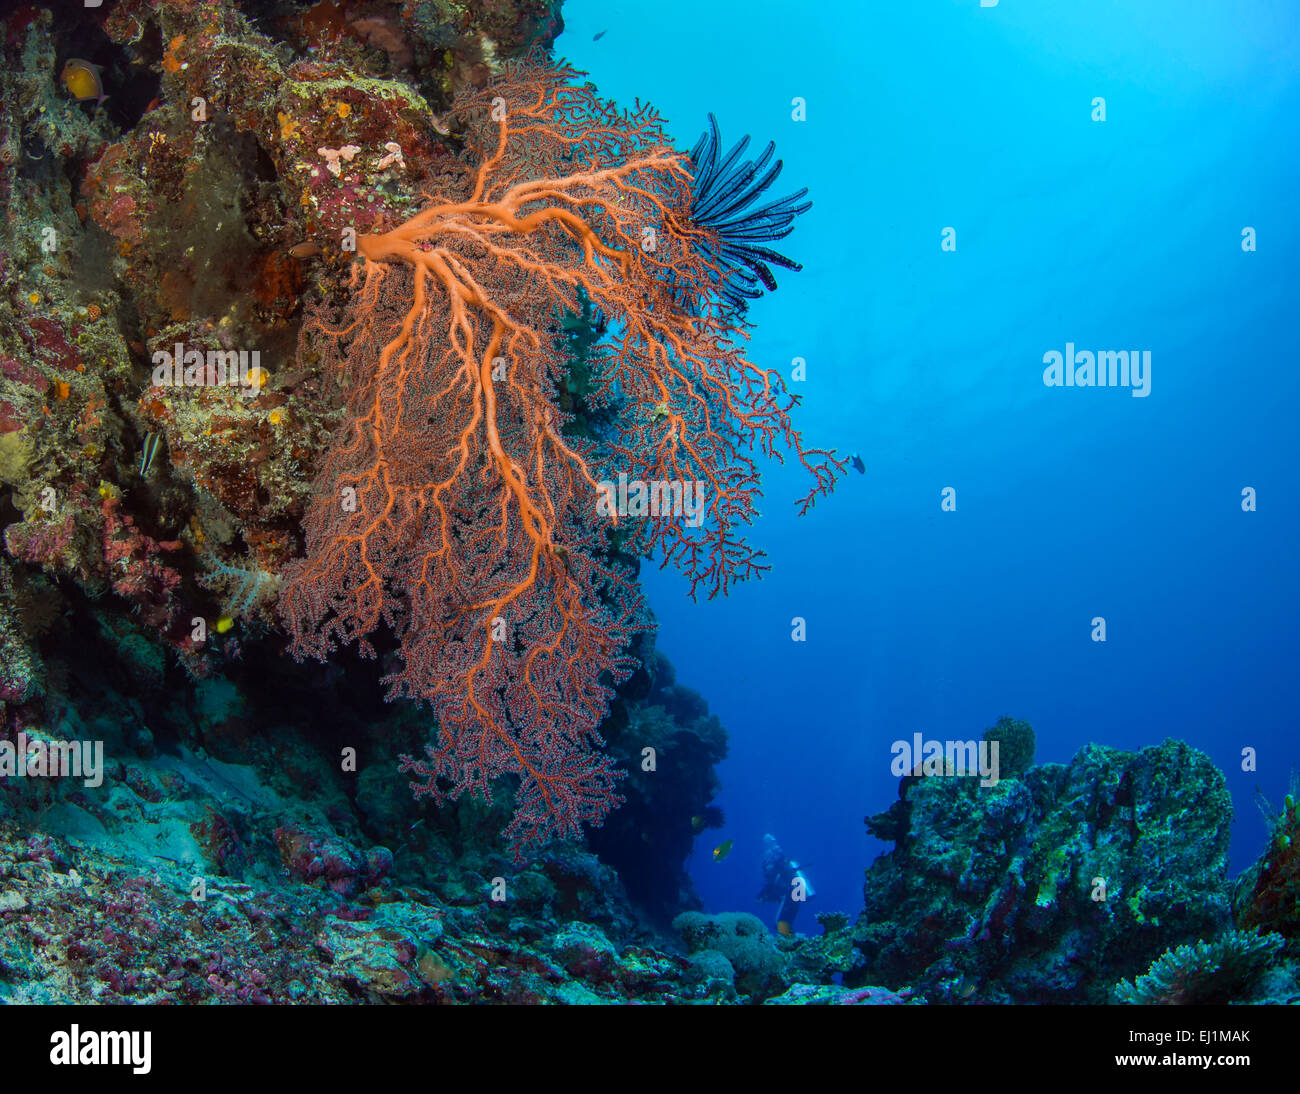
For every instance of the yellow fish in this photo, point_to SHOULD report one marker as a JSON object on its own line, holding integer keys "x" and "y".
{"x": 722, "y": 850}
{"x": 81, "y": 78}
{"x": 784, "y": 929}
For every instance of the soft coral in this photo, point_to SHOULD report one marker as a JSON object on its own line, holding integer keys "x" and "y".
{"x": 456, "y": 510}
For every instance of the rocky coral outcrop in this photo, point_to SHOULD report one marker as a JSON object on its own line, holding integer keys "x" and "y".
{"x": 745, "y": 944}
{"x": 1267, "y": 895}
{"x": 1051, "y": 886}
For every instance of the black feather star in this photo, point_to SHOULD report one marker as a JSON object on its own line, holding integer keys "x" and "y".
{"x": 725, "y": 189}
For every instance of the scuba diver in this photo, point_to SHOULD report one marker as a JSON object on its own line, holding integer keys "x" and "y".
{"x": 783, "y": 880}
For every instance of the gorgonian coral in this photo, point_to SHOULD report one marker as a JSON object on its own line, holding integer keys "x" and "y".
{"x": 453, "y": 507}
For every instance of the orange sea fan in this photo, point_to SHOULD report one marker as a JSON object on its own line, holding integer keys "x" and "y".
{"x": 454, "y": 509}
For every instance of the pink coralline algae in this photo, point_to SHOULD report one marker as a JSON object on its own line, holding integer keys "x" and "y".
{"x": 47, "y": 543}
{"x": 23, "y": 374}
{"x": 136, "y": 566}
{"x": 331, "y": 860}
{"x": 829, "y": 995}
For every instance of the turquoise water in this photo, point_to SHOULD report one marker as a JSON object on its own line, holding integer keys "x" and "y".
{"x": 1071, "y": 503}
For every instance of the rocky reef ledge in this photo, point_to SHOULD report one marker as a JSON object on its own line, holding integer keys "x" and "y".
{"x": 189, "y": 878}
{"x": 1054, "y": 886}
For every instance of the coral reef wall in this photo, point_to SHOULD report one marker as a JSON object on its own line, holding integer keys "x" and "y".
{"x": 178, "y": 224}
{"x": 292, "y": 348}
{"x": 178, "y": 178}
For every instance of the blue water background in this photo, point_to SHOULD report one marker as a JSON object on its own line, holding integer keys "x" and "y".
{"x": 1071, "y": 503}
